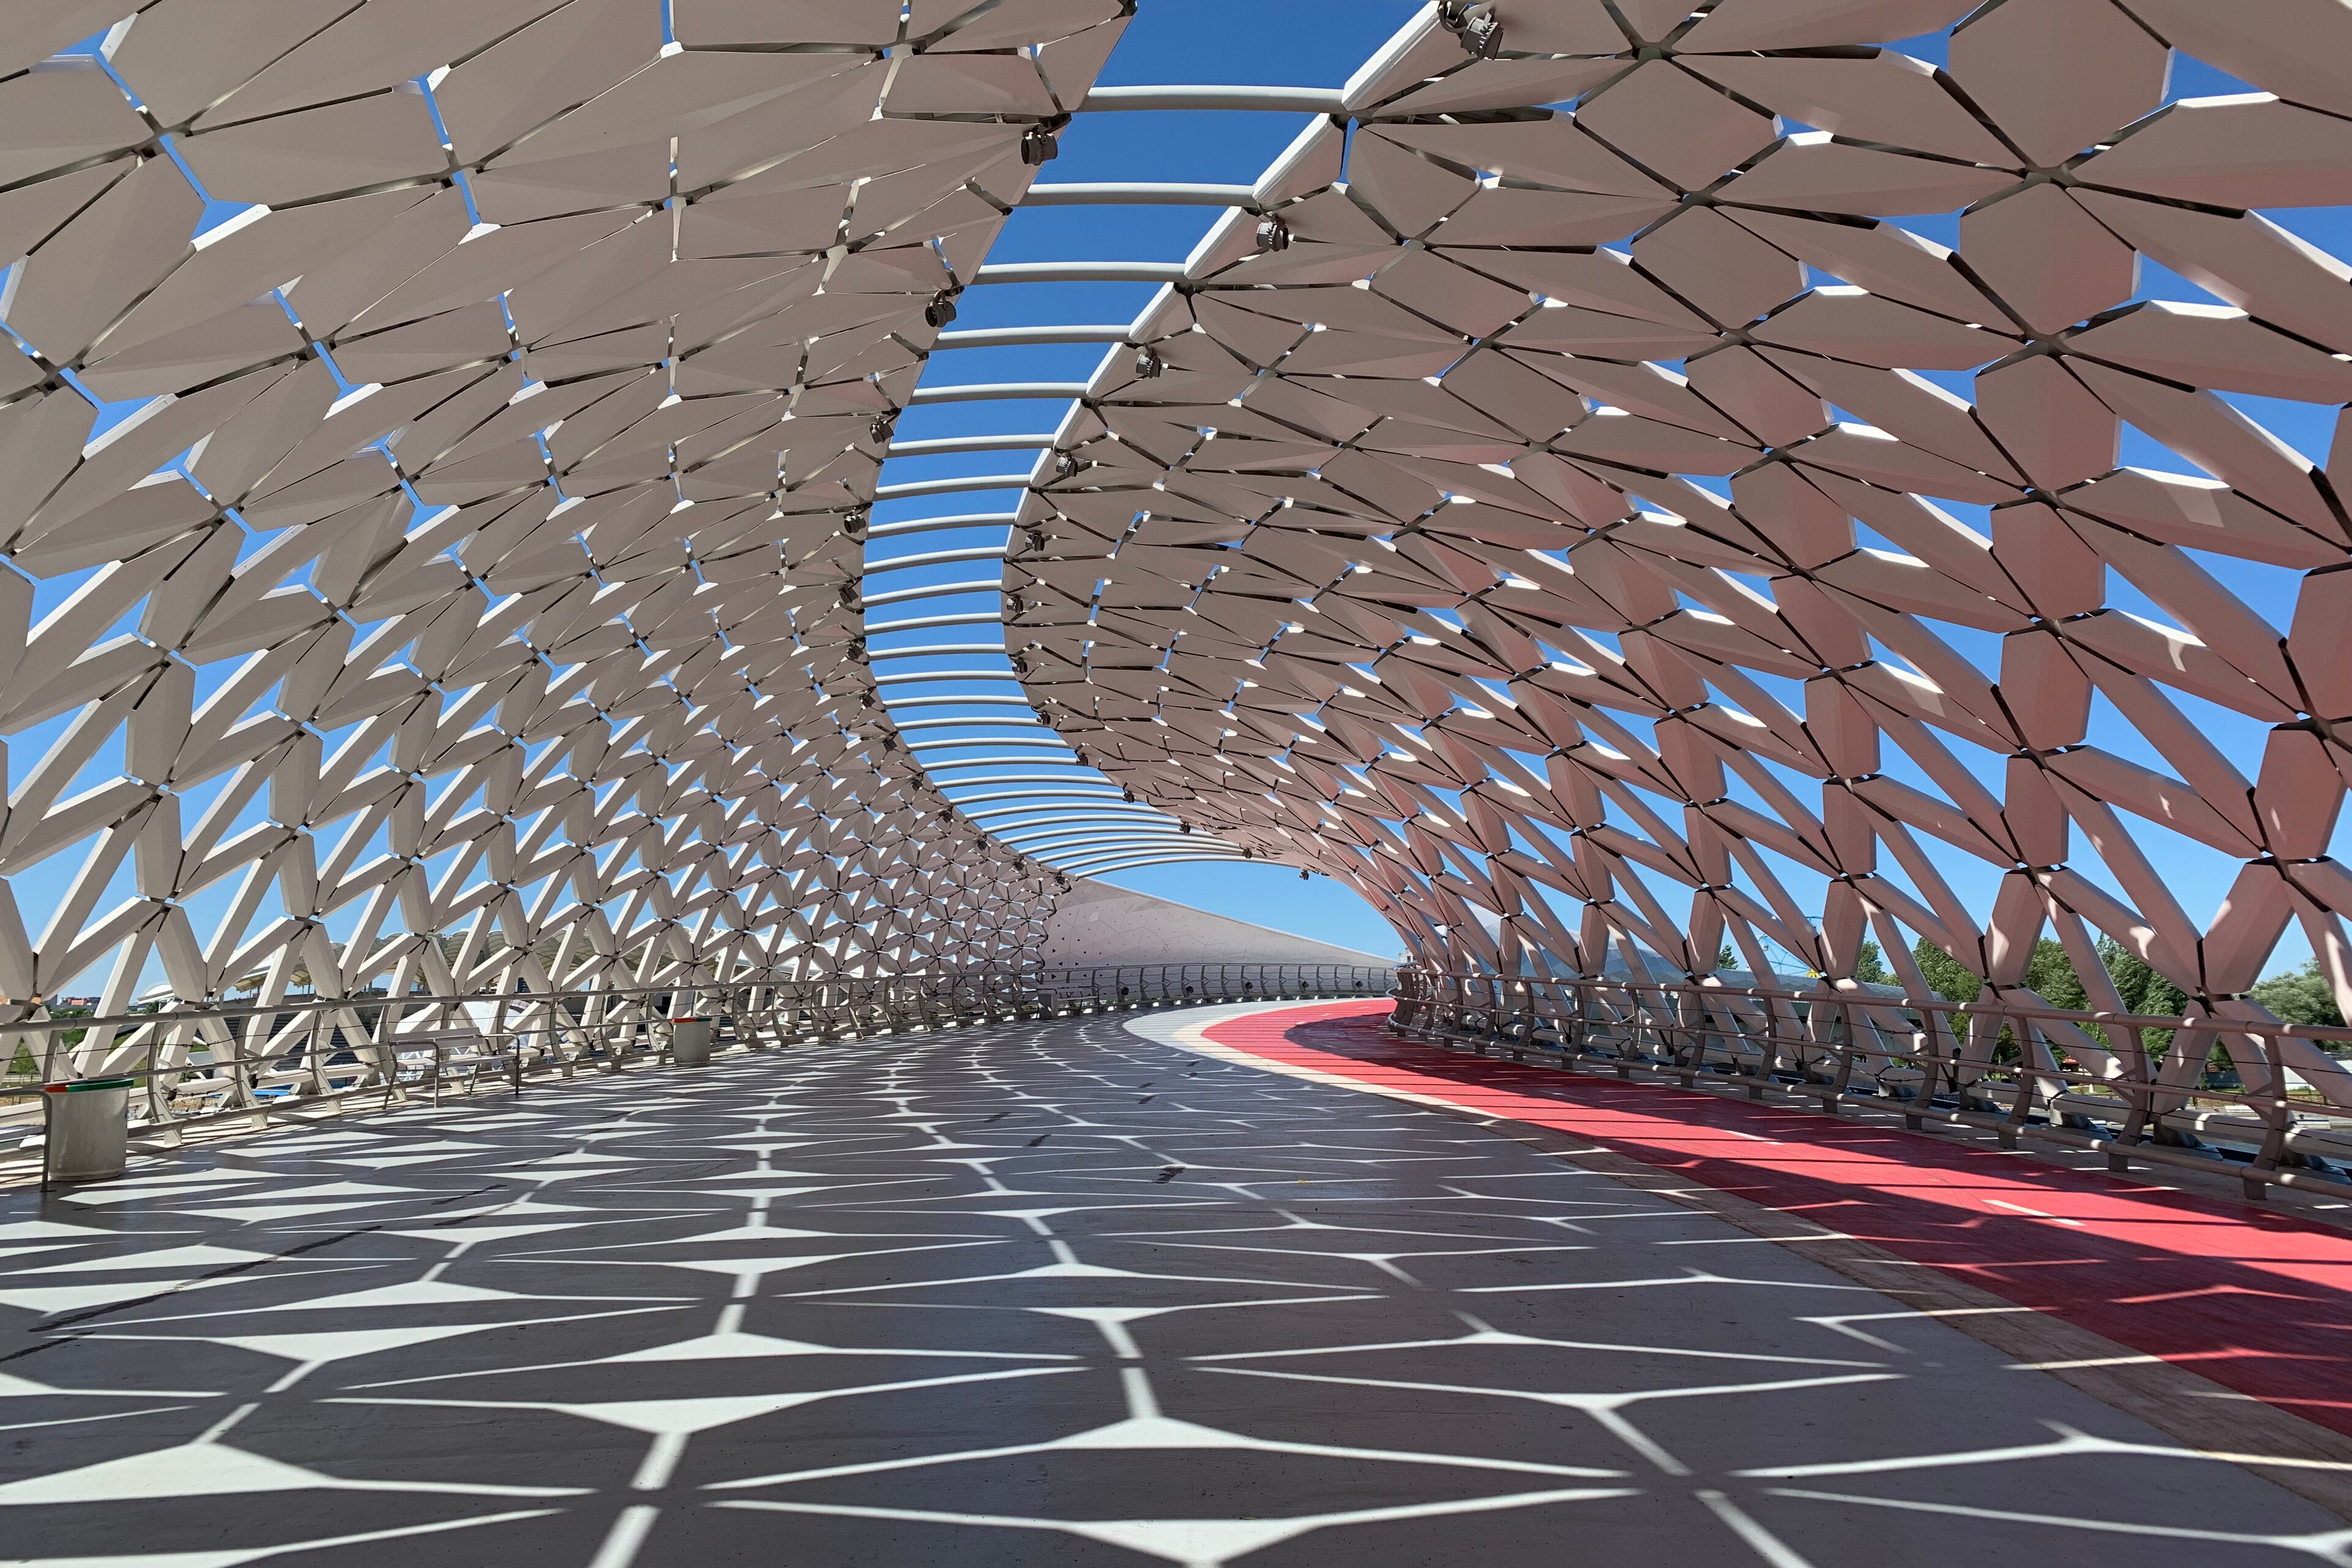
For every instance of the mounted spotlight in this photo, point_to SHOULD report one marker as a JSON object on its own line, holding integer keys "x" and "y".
{"x": 1148, "y": 363}
{"x": 1481, "y": 30}
{"x": 1304, "y": 877}
{"x": 1273, "y": 234}
{"x": 885, "y": 426}
{"x": 1041, "y": 143}
{"x": 1066, "y": 464}
{"x": 941, "y": 310}
{"x": 1127, "y": 792}
{"x": 854, "y": 524}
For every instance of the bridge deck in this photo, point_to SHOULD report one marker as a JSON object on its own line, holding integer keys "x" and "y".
{"x": 1052, "y": 1295}
{"x": 2258, "y": 1303}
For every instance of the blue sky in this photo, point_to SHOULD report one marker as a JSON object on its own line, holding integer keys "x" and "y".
{"x": 1298, "y": 43}
{"x": 1305, "y": 43}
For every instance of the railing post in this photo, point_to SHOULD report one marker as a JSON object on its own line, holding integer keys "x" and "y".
{"x": 2139, "y": 1088}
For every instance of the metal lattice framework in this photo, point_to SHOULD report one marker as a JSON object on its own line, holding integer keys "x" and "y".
{"x": 1614, "y": 537}
{"x": 1603, "y": 535}
{"x": 473, "y": 538}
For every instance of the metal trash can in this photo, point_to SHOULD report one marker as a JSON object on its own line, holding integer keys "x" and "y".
{"x": 689, "y": 1041}
{"x": 89, "y": 1130}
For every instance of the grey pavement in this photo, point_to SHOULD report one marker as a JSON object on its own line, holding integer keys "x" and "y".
{"x": 1058, "y": 1294}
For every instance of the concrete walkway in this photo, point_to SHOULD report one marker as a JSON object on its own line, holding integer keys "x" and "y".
{"x": 2256, "y": 1303}
{"x": 1046, "y": 1295}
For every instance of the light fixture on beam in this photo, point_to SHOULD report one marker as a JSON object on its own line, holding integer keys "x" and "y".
{"x": 1480, "y": 29}
{"x": 1041, "y": 143}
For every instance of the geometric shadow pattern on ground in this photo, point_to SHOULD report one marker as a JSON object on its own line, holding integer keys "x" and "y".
{"x": 1048, "y": 1294}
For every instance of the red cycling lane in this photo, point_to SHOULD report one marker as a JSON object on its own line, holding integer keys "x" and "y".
{"x": 2259, "y": 1304}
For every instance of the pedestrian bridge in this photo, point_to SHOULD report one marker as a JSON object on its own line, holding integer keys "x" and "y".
{"x": 576, "y": 979}
{"x": 1245, "y": 1284}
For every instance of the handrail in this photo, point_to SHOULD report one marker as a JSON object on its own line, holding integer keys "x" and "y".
{"x": 217, "y": 1064}
{"x": 2020, "y": 1069}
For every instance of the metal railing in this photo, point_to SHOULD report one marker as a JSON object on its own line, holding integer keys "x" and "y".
{"x": 200, "y": 1067}
{"x": 2135, "y": 1084}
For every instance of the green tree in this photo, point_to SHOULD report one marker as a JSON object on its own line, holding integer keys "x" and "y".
{"x": 2300, "y": 996}
{"x": 2052, "y": 974}
{"x": 2050, "y": 971}
{"x": 2142, "y": 990}
{"x": 1947, "y": 976}
{"x": 2140, "y": 987}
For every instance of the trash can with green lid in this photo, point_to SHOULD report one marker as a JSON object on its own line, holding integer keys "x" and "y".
{"x": 88, "y": 1128}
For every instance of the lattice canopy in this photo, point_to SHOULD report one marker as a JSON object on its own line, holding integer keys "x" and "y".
{"x": 477, "y": 558}
{"x": 1624, "y": 537}
{"x": 1629, "y": 487}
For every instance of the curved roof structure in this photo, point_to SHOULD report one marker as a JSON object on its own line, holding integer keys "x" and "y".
{"x": 1705, "y": 488}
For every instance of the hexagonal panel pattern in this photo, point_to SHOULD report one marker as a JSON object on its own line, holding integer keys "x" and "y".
{"x": 433, "y": 469}
{"x": 1812, "y": 492}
